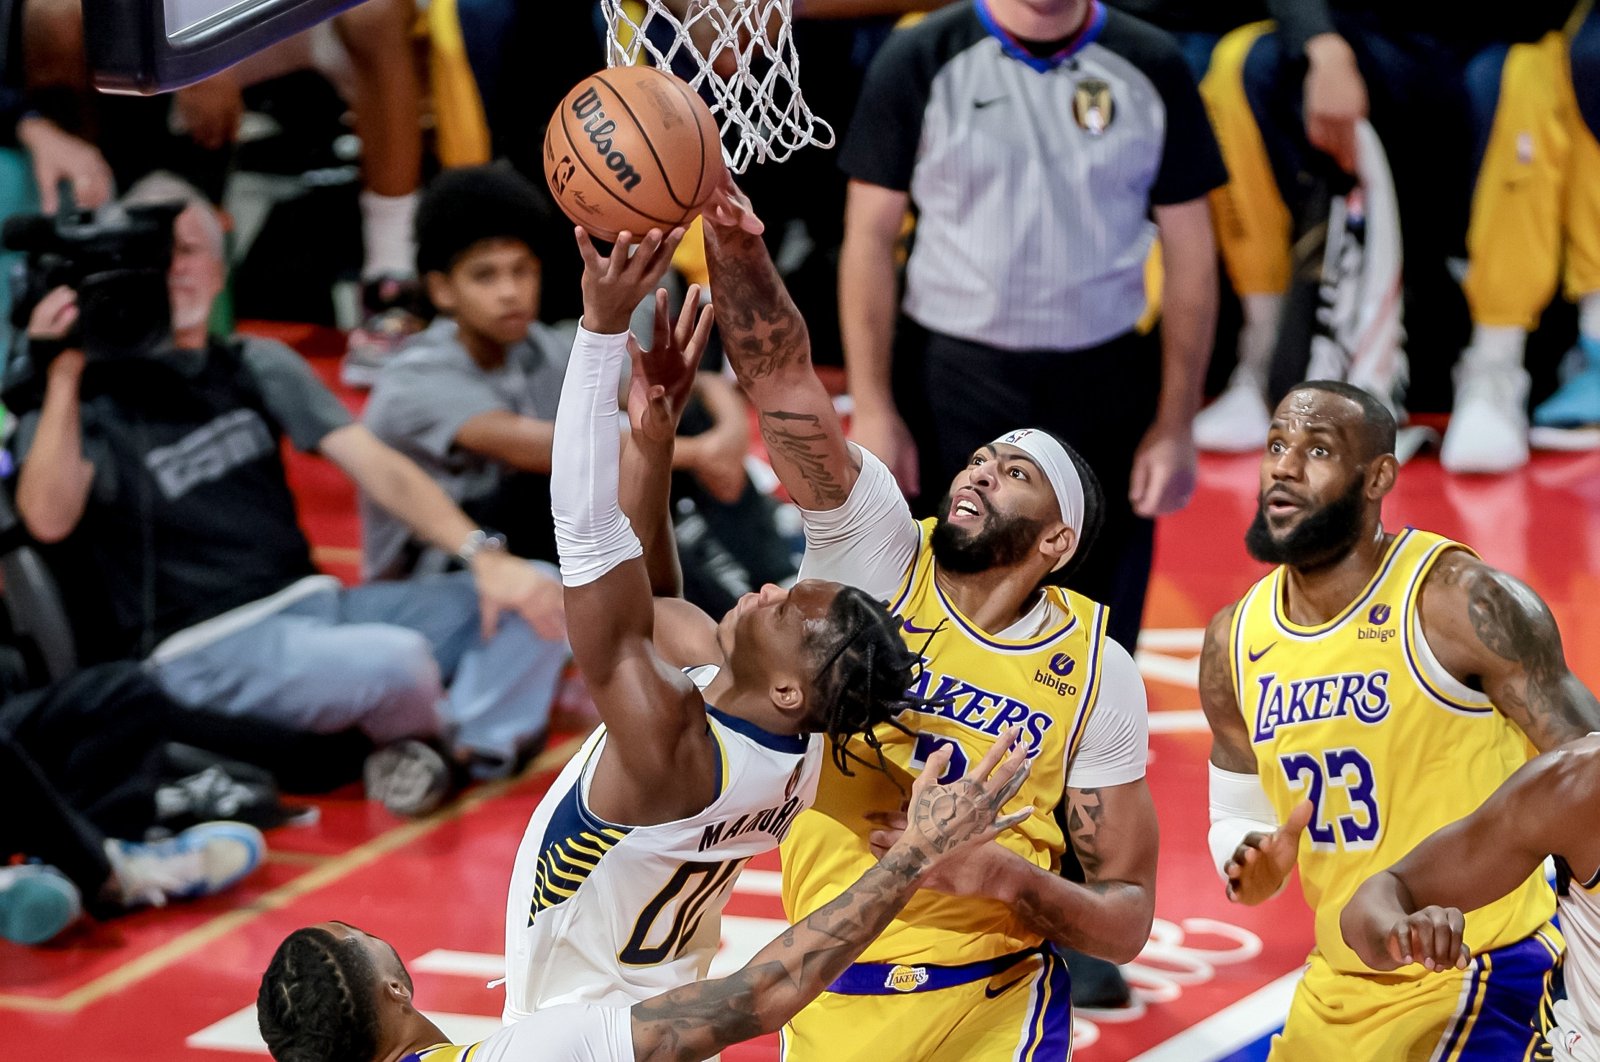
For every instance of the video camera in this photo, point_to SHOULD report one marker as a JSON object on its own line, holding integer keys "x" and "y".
{"x": 117, "y": 262}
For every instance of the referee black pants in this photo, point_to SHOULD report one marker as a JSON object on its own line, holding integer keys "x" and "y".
{"x": 958, "y": 395}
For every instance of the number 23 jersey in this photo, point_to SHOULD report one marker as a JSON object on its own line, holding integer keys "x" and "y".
{"x": 1357, "y": 716}
{"x": 610, "y": 914}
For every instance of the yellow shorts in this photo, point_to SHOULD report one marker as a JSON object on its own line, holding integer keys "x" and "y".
{"x": 1019, "y": 1007}
{"x": 1489, "y": 1012}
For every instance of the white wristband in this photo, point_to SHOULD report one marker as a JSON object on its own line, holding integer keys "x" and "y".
{"x": 1239, "y": 807}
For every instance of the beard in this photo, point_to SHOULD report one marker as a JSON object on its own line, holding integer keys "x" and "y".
{"x": 1321, "y": 537}
{"x": 1001, "y": 542}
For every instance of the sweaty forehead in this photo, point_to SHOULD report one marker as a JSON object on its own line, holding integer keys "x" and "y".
{"x": 1309, "y": 410}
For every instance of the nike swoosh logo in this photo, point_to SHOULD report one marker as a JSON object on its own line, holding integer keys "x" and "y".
{"x": 991, "y": 993}
{"x": 981, "y": 104}
{"x": 911, "y": 628}
{"x": 1254, "y": 656}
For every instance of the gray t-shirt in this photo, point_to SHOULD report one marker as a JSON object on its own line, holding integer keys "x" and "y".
{"x": 422, "y": 399}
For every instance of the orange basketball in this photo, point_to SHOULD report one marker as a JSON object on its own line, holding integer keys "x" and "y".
{"x": 631, "y": 148}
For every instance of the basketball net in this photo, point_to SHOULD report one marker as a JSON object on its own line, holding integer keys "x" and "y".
{"x": 738, "y": 54}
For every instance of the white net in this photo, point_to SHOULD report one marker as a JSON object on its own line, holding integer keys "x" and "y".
{"x": 739, "y": 54}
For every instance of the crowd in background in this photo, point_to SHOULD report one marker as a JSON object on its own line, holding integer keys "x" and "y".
{"x": 1142, "y": 244}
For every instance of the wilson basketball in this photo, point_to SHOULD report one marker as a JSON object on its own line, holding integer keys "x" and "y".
{"x": 631, "y": 148}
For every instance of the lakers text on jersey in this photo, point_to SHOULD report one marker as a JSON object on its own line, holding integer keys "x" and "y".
{"x": 1045, "y": 685}
{"x": 1358, "y": 717}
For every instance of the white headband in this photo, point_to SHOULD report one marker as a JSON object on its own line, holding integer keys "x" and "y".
{"x": 1058, "y": 469}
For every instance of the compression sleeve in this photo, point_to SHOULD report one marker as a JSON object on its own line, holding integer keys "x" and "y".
{"x": 592, "y": 534}
{"x": 1239, "y": 806}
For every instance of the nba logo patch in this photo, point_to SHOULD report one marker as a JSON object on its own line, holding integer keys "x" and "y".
{"x": 1092, "y": 106}
{"x": 906, "y": 978}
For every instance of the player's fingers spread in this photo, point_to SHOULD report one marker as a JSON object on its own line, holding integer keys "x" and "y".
{"x": 1016, "y": 818}
{"x": 991, "y": 757}
{"x": 1014, "y": 777}
{"x": 702, "y": 330}
{"x": 586, "y": 250}
{"x": 687, "y": 315}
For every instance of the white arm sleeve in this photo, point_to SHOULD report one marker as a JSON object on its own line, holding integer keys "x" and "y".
{"x": 575, "y": 1032}
{"x": 867, "y": 542}
{"x": 592, "y": 534}
{"x": 1239, "y": 806}
{"x": 1116, "y": 740}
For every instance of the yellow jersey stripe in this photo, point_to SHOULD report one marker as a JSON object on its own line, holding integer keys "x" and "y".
{"x": 1295, "y": 630}
{"x": 1412, "y": 622}
{"x": 1097, "y": 636}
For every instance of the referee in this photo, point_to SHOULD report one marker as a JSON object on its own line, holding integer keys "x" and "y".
{"x": 1035, "y": 140}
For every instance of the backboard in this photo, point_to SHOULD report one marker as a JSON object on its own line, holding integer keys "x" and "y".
{"x": 148, "y": 46}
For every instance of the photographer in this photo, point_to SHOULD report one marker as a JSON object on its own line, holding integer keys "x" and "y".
{"x": 159, "y": 471}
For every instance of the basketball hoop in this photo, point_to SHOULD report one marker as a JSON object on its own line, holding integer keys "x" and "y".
{"x": 739, "y": 54}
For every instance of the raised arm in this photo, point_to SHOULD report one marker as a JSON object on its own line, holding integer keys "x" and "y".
{"x": 770, "y": 352}
{"x": 53, "y": 487}
{"x": 1493, "y": 633}
{"x": 698, "y": 1020}
{"x": 1412, "y": 912}
{"x": 653, "y": 713}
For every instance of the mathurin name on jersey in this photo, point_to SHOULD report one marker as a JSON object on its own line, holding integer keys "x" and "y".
{"x": 775, "y": 821}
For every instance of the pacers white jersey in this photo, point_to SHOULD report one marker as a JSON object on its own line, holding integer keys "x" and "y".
{"x": 1577, "y": 1035}
{"x": 610, "y": 914}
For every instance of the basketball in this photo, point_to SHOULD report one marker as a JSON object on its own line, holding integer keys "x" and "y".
{"x": 631, "y": 148}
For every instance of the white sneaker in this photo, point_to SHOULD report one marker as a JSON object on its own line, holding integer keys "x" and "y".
{"x": 201, "y": 861}
{"x": 1235, "y": 423}
{"x": 1488, "y": 431}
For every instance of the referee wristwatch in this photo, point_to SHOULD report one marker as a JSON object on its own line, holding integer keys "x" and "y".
{"x": 480, "y": 541}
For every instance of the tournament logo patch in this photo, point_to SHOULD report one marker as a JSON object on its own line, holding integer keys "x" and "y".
{"x": 1092, "y": 106}
{"x": 906, "y": 978}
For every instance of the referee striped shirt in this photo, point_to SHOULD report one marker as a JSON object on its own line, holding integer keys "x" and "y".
{"x": 1032, "y": 176}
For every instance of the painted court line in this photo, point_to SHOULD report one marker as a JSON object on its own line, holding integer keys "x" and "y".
{"x": 186, "y": 944}
{"x": 1229, "y": 1029}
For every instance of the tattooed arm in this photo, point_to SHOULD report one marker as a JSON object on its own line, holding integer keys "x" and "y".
{"x": 1115, "y": 834}
{"x": 770, "y": 351}
{"x": 1494, "y": 634}
{"x": 698, "y": 1020}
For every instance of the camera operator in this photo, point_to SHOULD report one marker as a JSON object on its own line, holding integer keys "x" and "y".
{"x": 164, "y": 469}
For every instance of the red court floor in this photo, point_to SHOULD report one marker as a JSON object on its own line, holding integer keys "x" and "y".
{"x": 179, "y": 983}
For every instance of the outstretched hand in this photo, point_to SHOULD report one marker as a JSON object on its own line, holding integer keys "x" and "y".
{"x": 1260, "y": 865}
{"x": 945, "y": 819}
{"x": 729, "y": 208}
{"x": 663, "y": 376}
{"x": 615, "y": 284}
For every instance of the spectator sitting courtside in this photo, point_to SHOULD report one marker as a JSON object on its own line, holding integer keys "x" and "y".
{"x": 165, "y": 472}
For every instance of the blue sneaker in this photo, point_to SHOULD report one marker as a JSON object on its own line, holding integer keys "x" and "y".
{"x": 201, "y": 861}
{"x": 1576, "y": 403}
{"x": 36, "y": 903}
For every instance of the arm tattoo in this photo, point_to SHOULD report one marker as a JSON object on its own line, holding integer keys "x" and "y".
{"x": 1515, "y": 625}
{"x": 698, "y": 1020}
{"x": 802, "y": 441}
{"x": 760, "y": 325}
{"x": 1084, "y": 816}
{"x": 1230, "y": 738}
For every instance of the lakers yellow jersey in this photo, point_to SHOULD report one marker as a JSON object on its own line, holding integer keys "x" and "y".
{"x": 1045, "y": 684}
{"x": 1358, "y": 717}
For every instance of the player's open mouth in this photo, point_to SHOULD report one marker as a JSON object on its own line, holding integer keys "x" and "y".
{"x": 1281, "y": 503}
{"x": 966, "y": 506}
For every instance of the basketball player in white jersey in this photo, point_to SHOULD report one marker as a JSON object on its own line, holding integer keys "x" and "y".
{"x": 1412, "y": 912}
{"x": 335, "y": 992}
{"x": 622, "y": 875}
